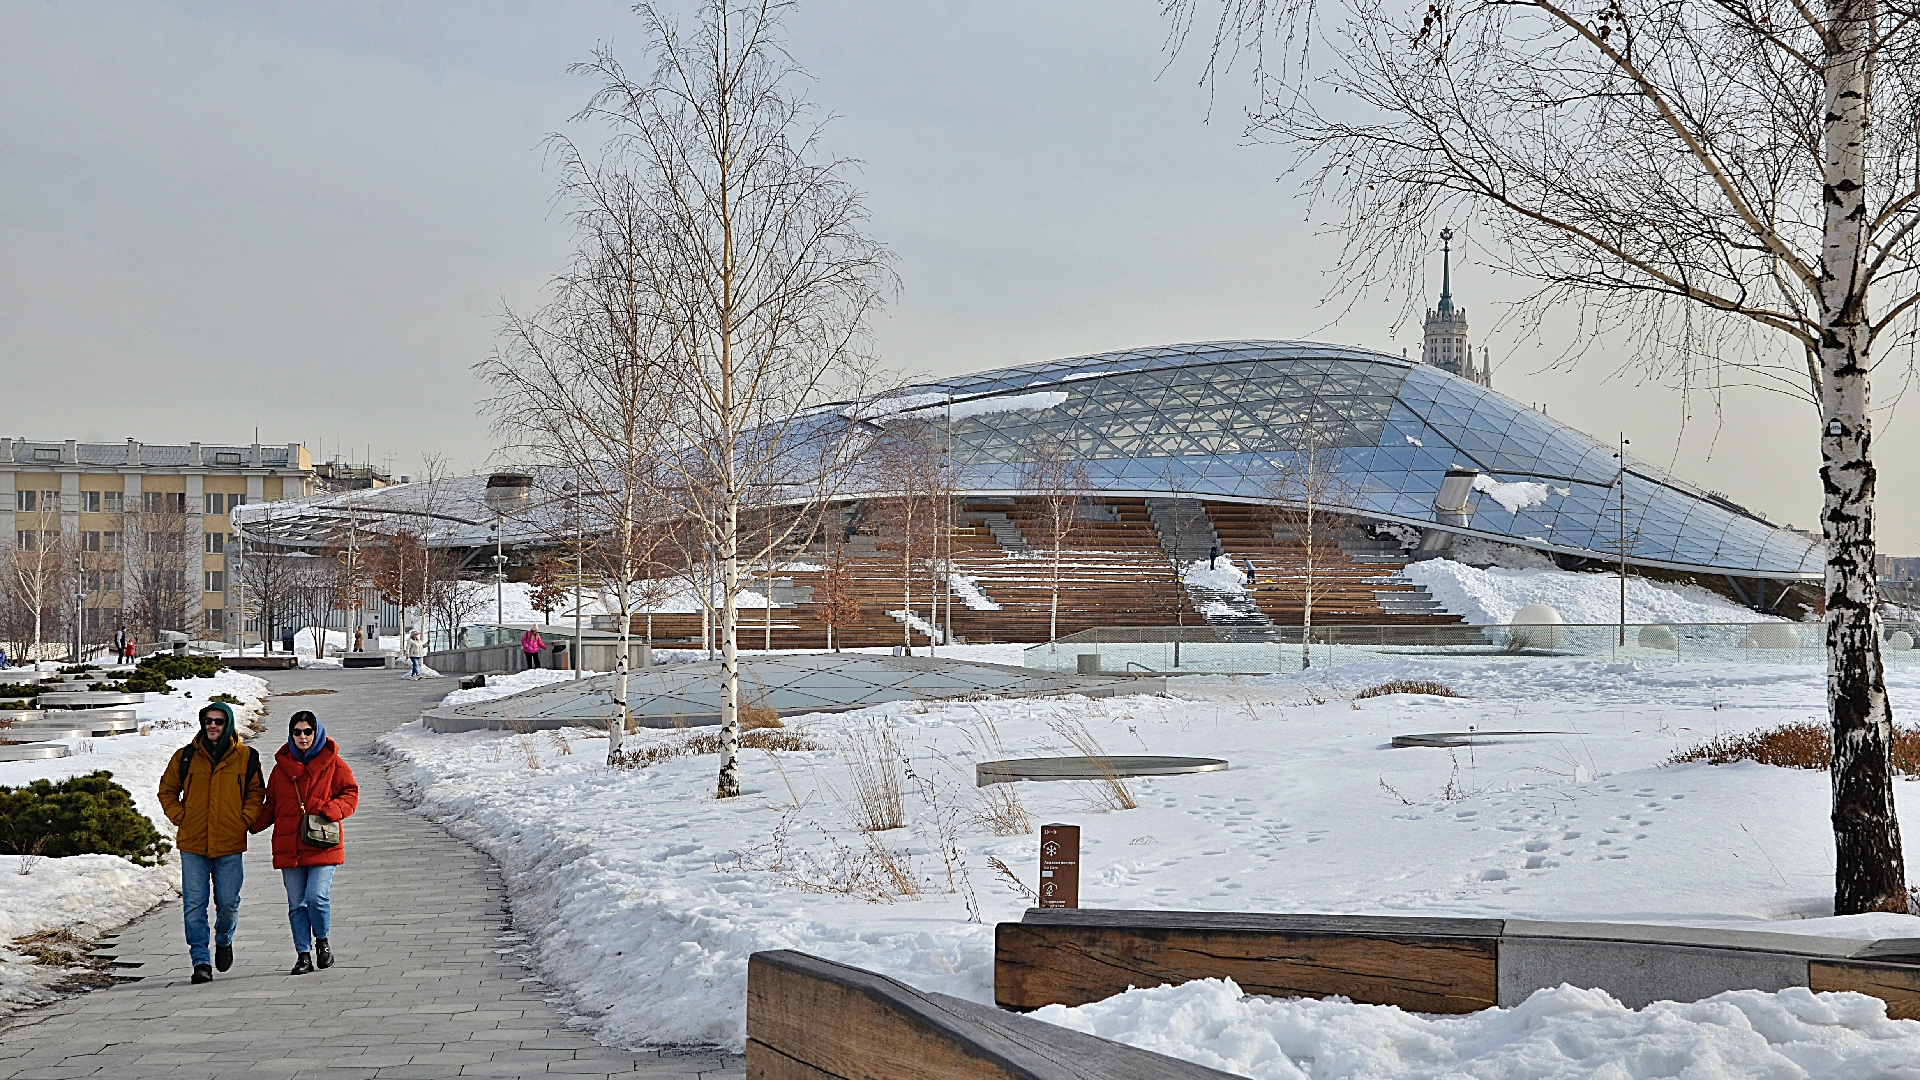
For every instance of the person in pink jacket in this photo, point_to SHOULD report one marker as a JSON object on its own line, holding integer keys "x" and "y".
{"x": 533, "y": 645}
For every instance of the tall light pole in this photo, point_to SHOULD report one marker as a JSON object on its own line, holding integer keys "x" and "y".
{"x": 79, "y": 600}
{"x": 1622, "y": 455}
{"x": 499, "y": 576}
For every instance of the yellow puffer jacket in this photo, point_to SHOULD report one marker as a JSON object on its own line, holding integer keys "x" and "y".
{"x": 213, "y": 804}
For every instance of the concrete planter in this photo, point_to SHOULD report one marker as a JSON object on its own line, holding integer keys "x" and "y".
{"x": 87, "y": 699}
{"x": 32, "y": 752}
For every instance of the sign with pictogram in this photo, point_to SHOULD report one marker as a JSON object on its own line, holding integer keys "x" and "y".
{"x": 1060, "y": 866}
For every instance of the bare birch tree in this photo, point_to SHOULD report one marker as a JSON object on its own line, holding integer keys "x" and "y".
{"x": 578, "y": 388}
{"x": 911, "y": 470}
{"x": 158, "y": 595}
{"x": 41, "y": 568}
{"x": 761, "y": 276}
{"x": 1305, "y": 492}
{"x": 1732, "y": 184}
{"x": 1056, "y": 475}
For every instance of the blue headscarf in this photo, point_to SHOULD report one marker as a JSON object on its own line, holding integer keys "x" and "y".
{"x": 319, "y": 736}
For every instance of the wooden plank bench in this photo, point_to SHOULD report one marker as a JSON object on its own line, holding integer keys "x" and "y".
{"x": 1076, "y": 956}
{"x": 812, "y": 1019}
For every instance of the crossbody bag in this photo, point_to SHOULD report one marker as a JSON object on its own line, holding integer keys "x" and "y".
{"x": 315, "y": 830}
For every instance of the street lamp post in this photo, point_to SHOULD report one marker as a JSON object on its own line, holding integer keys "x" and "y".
{"x": 79, "y": 601}
{"x": 499, "y": 577}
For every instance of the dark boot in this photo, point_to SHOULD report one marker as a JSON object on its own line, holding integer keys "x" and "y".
{"x": 202, "y": 973}
{"x": 223, "y": 956}
{"x": 322, "y": 953}
{"x": 303, "y": 965}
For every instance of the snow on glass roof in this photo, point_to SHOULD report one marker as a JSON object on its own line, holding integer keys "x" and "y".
{"x": 1223, "y": 420}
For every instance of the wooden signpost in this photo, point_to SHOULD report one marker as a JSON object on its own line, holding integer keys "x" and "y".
{"x": 1059, "y": 866}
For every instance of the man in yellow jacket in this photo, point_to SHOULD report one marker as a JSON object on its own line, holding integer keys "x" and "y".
{"x": 211, "y": 791}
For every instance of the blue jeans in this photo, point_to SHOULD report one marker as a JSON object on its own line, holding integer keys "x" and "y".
{"x": 224, "y": 874}
{"x": 416, "y": 664}
{"x": 309, "y": 908}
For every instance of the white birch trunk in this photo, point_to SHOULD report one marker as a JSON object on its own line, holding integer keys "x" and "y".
{"x": 1869, "y": 866}
{"x": 730, "y": 648}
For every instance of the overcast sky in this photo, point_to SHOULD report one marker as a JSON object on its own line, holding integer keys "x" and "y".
{"x": 301, "y": 217}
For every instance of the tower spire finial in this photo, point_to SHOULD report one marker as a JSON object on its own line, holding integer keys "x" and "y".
{"x": 1446, "y": 271}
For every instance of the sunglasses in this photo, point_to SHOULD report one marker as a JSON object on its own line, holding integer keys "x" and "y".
{"x": 303, "y": 731}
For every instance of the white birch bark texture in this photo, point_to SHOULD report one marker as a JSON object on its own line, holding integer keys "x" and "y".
{"x": 1728, "y": 188}
{"x": 760, "y": 277}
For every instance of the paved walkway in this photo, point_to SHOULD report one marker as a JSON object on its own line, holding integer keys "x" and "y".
{"x": 425, "y": 983}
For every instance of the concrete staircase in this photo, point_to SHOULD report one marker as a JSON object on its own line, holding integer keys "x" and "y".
{"x": 1408, "y": 599}
{"x": 1005, "y": 532}
{"x": 1185, "y": 532}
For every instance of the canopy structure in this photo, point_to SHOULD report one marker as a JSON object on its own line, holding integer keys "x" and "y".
{"x": 1216, "y": 422}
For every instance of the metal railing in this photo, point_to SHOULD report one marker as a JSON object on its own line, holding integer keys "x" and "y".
{"x": 1270, "y": 650}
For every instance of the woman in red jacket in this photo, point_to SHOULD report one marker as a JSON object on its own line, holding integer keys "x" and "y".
{"x": 309, "y": 779}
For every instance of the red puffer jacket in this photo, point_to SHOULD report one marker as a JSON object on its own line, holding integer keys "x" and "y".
{"x": 325, "y": 786}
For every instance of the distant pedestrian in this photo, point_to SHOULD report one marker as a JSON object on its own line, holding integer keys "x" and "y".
{"x": 4, "y": 662}
{"x": 1213, "y": 556}
{"x": 1253, "y": 579}
{"x": 414, "y": 649}
{"x": 309, "y": 794}
{"x": 532, "y": 644}
{"x": 127, "y": 650}
{"x": 211, "y": 790}
{"x": 120, "y": 642}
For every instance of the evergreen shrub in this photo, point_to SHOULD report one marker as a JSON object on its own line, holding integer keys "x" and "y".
{"x": 81, "y": 815}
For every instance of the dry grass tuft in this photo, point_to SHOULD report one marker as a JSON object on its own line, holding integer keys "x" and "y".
{"x": 758, "y": 717}
{"x": 870, "y": 871}
{"x": 1409, "y": 686}
{"x": 1001, "y": 811}
{"x": 1110, "y": 791}
{"x": 873, "y": 760}
{"x": 709, "y": 743}
{"x": 1803, "y": 745}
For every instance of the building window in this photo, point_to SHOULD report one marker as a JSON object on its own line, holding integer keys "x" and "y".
{"x": 99, "y": 619}
{"x": 89, "y": 541}
{"x": 110, "y": 541}
{"x": 216, "y": 618}
{"x": 216, "y": 543}
{"x": 109, "y": 581}
{"x": 89, "y": 502}
{"x": 216, "y": 581}
{"x": 226, "y": 457}
{"x": 112, "y": 501}
{"x": 26, "y": 502}
{"x": 164, "y": 502}
{"x": 166, "y": 543}
{"x": 92, "y": 581}
{"x": 27, "y": 540}
{"x": 46, "y": 453}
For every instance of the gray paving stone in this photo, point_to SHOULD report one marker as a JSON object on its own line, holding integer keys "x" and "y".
{"x": 425, "y": 984}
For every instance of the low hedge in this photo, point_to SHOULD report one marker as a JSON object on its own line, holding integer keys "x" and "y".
{"x": 81, "y": 815}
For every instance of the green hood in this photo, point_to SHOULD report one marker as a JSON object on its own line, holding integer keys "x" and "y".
{"x": 216, "y": 750}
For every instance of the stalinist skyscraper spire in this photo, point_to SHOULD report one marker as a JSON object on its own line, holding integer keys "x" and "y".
{"x": 1445, "y": 345}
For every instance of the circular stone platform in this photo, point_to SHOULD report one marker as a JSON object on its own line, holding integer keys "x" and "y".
{"x": 1444, "y": 739}
{"x": 32, "y": 752}
{"x": 1090, "y": 768}
{"x": 87, "y": 699}
{"x": 45, "y": 732}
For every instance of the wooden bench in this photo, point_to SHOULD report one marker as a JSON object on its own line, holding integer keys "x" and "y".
{"x": 1076, "y": 956}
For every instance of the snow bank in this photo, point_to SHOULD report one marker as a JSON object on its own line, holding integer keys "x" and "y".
{"x": 1563, "y": 1033}
{"x": 1221, "y": 577}
{"x": 1490, "y": 597}
{"x": 90, "y": 894}
{"x": 645, "y": 894}
{"x": 499, "y": 686}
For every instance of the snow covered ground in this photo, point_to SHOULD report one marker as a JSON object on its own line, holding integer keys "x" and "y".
{"x": 645, "y": 894}
{"x": 1490, "y": 597}
{"x": 1564, "y": 1032}
{"x": 89, "y": 894}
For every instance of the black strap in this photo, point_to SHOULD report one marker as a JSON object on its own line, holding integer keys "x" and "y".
{"x": 253, "y": 770}
{"x": 186, "y": 761}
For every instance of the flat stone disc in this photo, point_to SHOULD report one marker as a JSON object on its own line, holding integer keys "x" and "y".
{"x": 1080, "y": 767}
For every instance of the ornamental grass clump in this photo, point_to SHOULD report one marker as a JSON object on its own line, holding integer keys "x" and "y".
{"x": 81, "y": 815}
{"x": 1408, "y": 686}
{"x": 1803, "y": 745}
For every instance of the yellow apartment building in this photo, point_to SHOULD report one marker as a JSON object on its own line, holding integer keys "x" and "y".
{"x": 140, "y": 528}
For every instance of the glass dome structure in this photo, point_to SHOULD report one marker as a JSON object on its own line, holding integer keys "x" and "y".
{"x": 1227, "y": 420}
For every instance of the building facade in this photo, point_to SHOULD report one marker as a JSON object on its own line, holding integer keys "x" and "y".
{"x": 140, "y": 531}
{"x": 1445, "y": 343}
